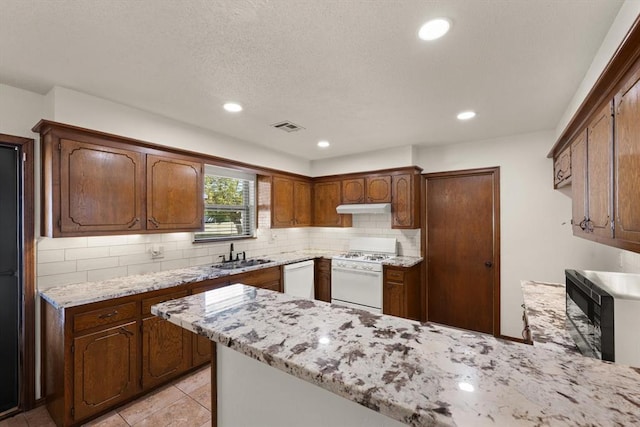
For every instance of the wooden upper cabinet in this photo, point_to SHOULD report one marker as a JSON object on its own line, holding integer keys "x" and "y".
{"x": 627, "y": 161}
{"x": 599, "y": 160}
{"x": 325, "y": 201}
{"x": 174, "y": 193}
{"x": 301, "y": 203}
{"x": 562, "y": 168}
{"x": 378, "y": 189}
{"x": 579, "y": 183}
{"x": 101, "y": 188}
{"x": 405, "y": 207}
{"x": 95, "y": 183}
{"x": 353, "y": 191}
{"x": 290, "y": 202}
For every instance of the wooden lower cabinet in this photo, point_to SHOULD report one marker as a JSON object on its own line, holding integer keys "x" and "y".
{"x": 322, "y": 276}
{"x": 401, "y": 291}
{"x": 166, "y": 351}
{"x": 105, "y": 367}
{"x": 201, "y": 346}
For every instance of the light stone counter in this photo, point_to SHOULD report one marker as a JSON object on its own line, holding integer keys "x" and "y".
{"x": 545, "y": 307}
{"x": 75, "y": 294}
{"x": 419, "y": 374}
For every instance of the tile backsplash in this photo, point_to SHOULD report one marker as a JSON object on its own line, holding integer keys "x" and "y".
{"x": 80, "y": 259}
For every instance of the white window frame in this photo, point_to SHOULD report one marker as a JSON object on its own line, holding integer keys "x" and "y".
{"x": 248, "y": 228}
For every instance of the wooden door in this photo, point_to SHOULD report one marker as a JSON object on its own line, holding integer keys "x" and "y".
{"x": 627, "y": 161}
{"x": 282, "y": 211}
{"x": 302, "y": 203}
{"x": 101, "y": 188}
{"x": 353, "y": 191}
{"x": 562, "y": 168}
{"x": 326, "y": 198}
{"x": 599, "y": 159}
{"x": 105, "y": 369}
{"x": 579, "y": 183}
{"x": 166, "y": 351}
{"x": 404, "y": 206}
{"x": 463, "y": 249}
{"x": 393, "y": 302}
{"x": 322, "y": 276}
{"x": 174, "y": 194}
{"x": 378, "y": 189}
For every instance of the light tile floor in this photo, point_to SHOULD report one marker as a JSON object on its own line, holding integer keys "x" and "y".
{"x": 184, "y": 402}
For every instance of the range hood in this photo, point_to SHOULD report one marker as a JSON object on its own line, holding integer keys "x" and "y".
{"x": 369, "y": 208}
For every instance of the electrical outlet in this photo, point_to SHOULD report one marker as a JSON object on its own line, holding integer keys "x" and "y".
{"x": 156, "y": 252}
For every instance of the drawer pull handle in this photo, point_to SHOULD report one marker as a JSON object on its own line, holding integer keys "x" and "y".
{"x": 134, "y": 222}
{"x": 153, "y": 221}
{"x": 126, "y": 331}
{"x": 108, "y": 315}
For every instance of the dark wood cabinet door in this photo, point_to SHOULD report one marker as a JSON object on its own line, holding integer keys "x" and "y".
{"x": 353, "y": 191}
{"x": 174, "y": 194}
{"x": 579, "y": 183}
{"x": 282, "y": 206}
{"x": 101, "y": 188}
{"x": 378, "y": 189}
{"x": 326, "y": 198}
{"x": 562, "y": 168}
{"x": 302, "y": 203}
{"x": 404, "y": 207}
{"x": 322, "y": 275}
{"x": 627, "y": 161}
{"x": 394, "y": 302}
{"x": 105, "y": 369}
{"x": 599, "y": 159}
{"x": 166, "y": 351}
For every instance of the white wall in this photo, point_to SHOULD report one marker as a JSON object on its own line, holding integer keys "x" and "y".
{"x": 395, "y": 157}
{"x": 536, "y": 238}
{"x": 618, "y": 30}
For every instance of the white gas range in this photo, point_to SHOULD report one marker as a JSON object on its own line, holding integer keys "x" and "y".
{"x": 356, "y": 276}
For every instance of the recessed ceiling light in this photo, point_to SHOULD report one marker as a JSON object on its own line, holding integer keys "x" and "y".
{"x": 434, "y": 29}
{"x": 323, "y": 144}
{"x": 466, "y": 115}
{"x": 232, "y": 107}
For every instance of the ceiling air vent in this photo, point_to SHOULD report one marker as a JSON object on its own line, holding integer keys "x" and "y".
{"x": 287, "y": 126}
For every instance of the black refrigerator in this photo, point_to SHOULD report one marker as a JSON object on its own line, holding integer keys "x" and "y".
{"x": 10, "y": 277}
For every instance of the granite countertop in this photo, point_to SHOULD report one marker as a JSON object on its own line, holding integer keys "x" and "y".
{"x": 545, "y": 308}
{"x": 421, "y": 374}
{"x": 71, "y": 295}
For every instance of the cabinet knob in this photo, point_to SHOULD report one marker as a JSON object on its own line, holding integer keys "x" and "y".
{"x": 488, "y": 264}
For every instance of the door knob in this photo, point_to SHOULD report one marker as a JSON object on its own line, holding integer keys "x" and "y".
{"x": 488, "y": 264}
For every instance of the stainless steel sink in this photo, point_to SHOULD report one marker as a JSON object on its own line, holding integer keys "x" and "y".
{"x": 241, "y": 264}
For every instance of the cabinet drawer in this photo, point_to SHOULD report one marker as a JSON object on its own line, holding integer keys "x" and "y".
{"x": 104, "y": 316}
{"x": 147, "y": 303}
{"x": 396, "y": 275}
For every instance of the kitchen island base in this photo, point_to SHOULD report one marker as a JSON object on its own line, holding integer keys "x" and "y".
{"x": 250, "y": 393}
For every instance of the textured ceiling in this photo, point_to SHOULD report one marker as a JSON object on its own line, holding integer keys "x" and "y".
{"x": 350, "y": 71}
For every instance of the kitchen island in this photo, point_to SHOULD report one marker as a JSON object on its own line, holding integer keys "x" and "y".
{"x": 414, "y": 373}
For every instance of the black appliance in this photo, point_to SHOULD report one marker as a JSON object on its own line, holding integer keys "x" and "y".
{"x": 590, "y": 316}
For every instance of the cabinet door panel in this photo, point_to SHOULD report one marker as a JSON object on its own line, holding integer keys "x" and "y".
{"x": 579, "y": 183}
{"x": 302, "y": 203}
{"x": 282, "y": 202}
{"x": 322, "y": 276}
{"x": 101, "y": 188}
{"x": 174, "y": 194}
{"x": 404, "y": 212}
{"x": 378, "y": 189}
{"x": 599, "y": 146}
{"x": 105, "y": 369}
{"x": 353, "y": 191}
{"x": 562, "y": 168}
{"x": 166, "y": 351}
{"x": 326, "y": 199}
{"x": 627, "y": 162}
{"x": 393, "y": 302}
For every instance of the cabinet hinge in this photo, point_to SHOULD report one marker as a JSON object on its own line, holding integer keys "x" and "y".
{"x": 59, "y": 223}
{"x": 73, "y": 348}
{"x": 24, "y": 157}
{"x": 613, "y": 225}
{"x": 73, "y": 412}
{"x": 59, "y": 146}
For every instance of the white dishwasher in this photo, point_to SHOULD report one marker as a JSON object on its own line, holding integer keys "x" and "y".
{"x": 298, "y": 279}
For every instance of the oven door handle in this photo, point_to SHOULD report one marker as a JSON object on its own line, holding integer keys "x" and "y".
{"x": 351, "y": 270}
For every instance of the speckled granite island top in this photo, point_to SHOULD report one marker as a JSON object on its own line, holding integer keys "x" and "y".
{"x": 545, "y": 306}
{"x": 419, "y": 374}
{"x": 88, "y": 292}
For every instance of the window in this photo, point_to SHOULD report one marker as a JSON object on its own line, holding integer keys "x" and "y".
{"x": 229, "y": 204}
